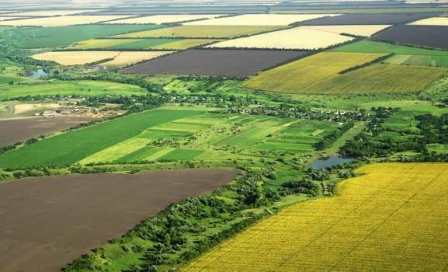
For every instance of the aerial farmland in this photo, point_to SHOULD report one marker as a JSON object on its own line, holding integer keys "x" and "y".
{"x": 255, "y": 135}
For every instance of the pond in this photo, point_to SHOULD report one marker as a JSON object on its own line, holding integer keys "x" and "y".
{"x": 330, "y": 162}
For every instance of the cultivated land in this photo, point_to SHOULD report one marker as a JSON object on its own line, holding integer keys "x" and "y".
{"x": 85, "y": 88}
{"x": 309, "y": 75}
{"x": 163, "y": 19}
{"x": 60, "y": 21}
{"x": 40, "y": 235}
{"x": 356, "y": 30}
{"x": 106, "y": 58}
{"x": 392, "y": 218}
{"x": 19, "y": 130}
{"x": 48, "y": 13}
{"x": 48, "y": 37}
{"x": 433, "y": 21}
{"x": 418, "y": 35}
{"x": 260, "y": 19}
{"x": 216, "y": 62}
{"x": 368, "y": 19}
{"x": 200, "y": 32}
{"x": 124, "y": 44}
{"x": 295, "y": 38}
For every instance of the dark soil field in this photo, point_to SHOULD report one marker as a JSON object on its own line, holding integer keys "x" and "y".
{"x": 17, "y": 130}
{"x": 239, "y": 63}
{"x": 47, "y": 222}
{"x": 368, "y": 19}
{"x": 424, "y": 36}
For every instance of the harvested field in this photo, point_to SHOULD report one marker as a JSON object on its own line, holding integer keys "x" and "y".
{"x": 49, "y": 13}
{"x": 433, "y": 21}
{"x": 295, "y": 38}
{"x": 231, "y": 63}
{"x": 18, "y": 130}
{"x": 200, "y": 32}
{"x": 369, "y": 19}
{"x": 356, "y": 30}
{"x": 392, "y": 218}
{"x": 260, "y": 19}
{"x": 110, "y": 58}
{"x": 155, "y": 43}
{"x": 419, "y": 35}
{"x": 60, "y": 21}
{"x": 163, "y": 19}
{"x": 307, "y": 75}
{"x": 47, "y": 222}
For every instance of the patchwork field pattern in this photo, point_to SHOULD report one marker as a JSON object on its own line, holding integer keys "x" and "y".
{"x": 369, "y": 19}
{"x": 49, "y": 13}
{"x": 107, "y": 58}
{"x": 124, "y": 44}
{"x": 393, "y": 218}
{"x": 368, "y": 46}
{"x": 433, "y": 21}
{"x": 309, "y": 75}
{"x": 216, "y": 62}
{"x": 356, "y": 30}
{"x": 420, "y": 35}
{"x": 200, "y": 32}
{"x": 61, "y": 21}
{"x": 295, "y": 38}
{"x": 167, "y": 135}
{"x": 162, "y": 19}
{"x": 260, "y": 19}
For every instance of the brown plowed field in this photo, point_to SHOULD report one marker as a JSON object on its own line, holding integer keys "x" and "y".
{"x": 419, "y": 35}
{"x": 239, "y": 63}
{"x": 17, "y": 130}
{"x": 47, "y": 222}
{"x": 368, "y": 19}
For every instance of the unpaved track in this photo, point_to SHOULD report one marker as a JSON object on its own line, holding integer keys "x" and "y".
{"x": 47, "y": 222}
{"x": 16, "y": 130}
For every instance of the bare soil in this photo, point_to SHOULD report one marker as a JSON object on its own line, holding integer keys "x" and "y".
{"x": 47, "y": 222}
{"x": 17, "y": 130}
{"x": 239, "y": 63}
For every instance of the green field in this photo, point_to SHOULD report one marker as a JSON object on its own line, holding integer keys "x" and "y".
{"x": 419, "y": 60}
{"x": 72, "y": 147}
{"x": 51, "y": 37}
{"x": 367, "y": 46}
{"x": 200, "y": 32}
{"x": 69, "y": 88}
{"x": 156, "y": 43}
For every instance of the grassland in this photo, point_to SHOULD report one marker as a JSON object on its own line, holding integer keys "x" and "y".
{"x": 108, "y": 58}
{"x": 163, "y": 19}
{"x": 200, "y": 32}
{"x": 433, "y": 21}
{"x": 69, "y": 88}
{"x": 392, "y": 218}
{"x": 259, "y": 20}
{"x": 155, "y": 43}
{"x": 419, "y": 60}
{"x": 51, "y": 37}
{"x": 60, "y": 21}
{"x": 309, "y": 74}
{"x": 287, "y": 39}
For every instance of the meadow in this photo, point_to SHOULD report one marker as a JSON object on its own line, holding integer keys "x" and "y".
{"x": 52, "y": 37}
{"x": 287, "y": 39}
{"x": 307, "y": 75}
{"x": 83, "y": 88}
{"x": 200, "y": 32}
{"x": 391, "y": 218}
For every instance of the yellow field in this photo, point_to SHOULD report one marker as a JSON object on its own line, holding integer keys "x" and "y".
{"x": 433, "y": 21}
{"x": 295, "y": 38}
{"x": 49, "y": 13}
{"x": 200, "y": 32}
{"x": 60, "y": 21}
{"x": 393, "y": 218}
{"x": 8, "y": 18}
{"x": 162, "y": 19}
{"x": 307, "y": 74}
{"x": 260, "y": 19}
{"x": 172, "y": 44}
{"x": 69, "y": 58}
{"x": 357, "y": 30}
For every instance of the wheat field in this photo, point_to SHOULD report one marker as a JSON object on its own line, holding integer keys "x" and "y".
{"x": 260, "y": 19}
